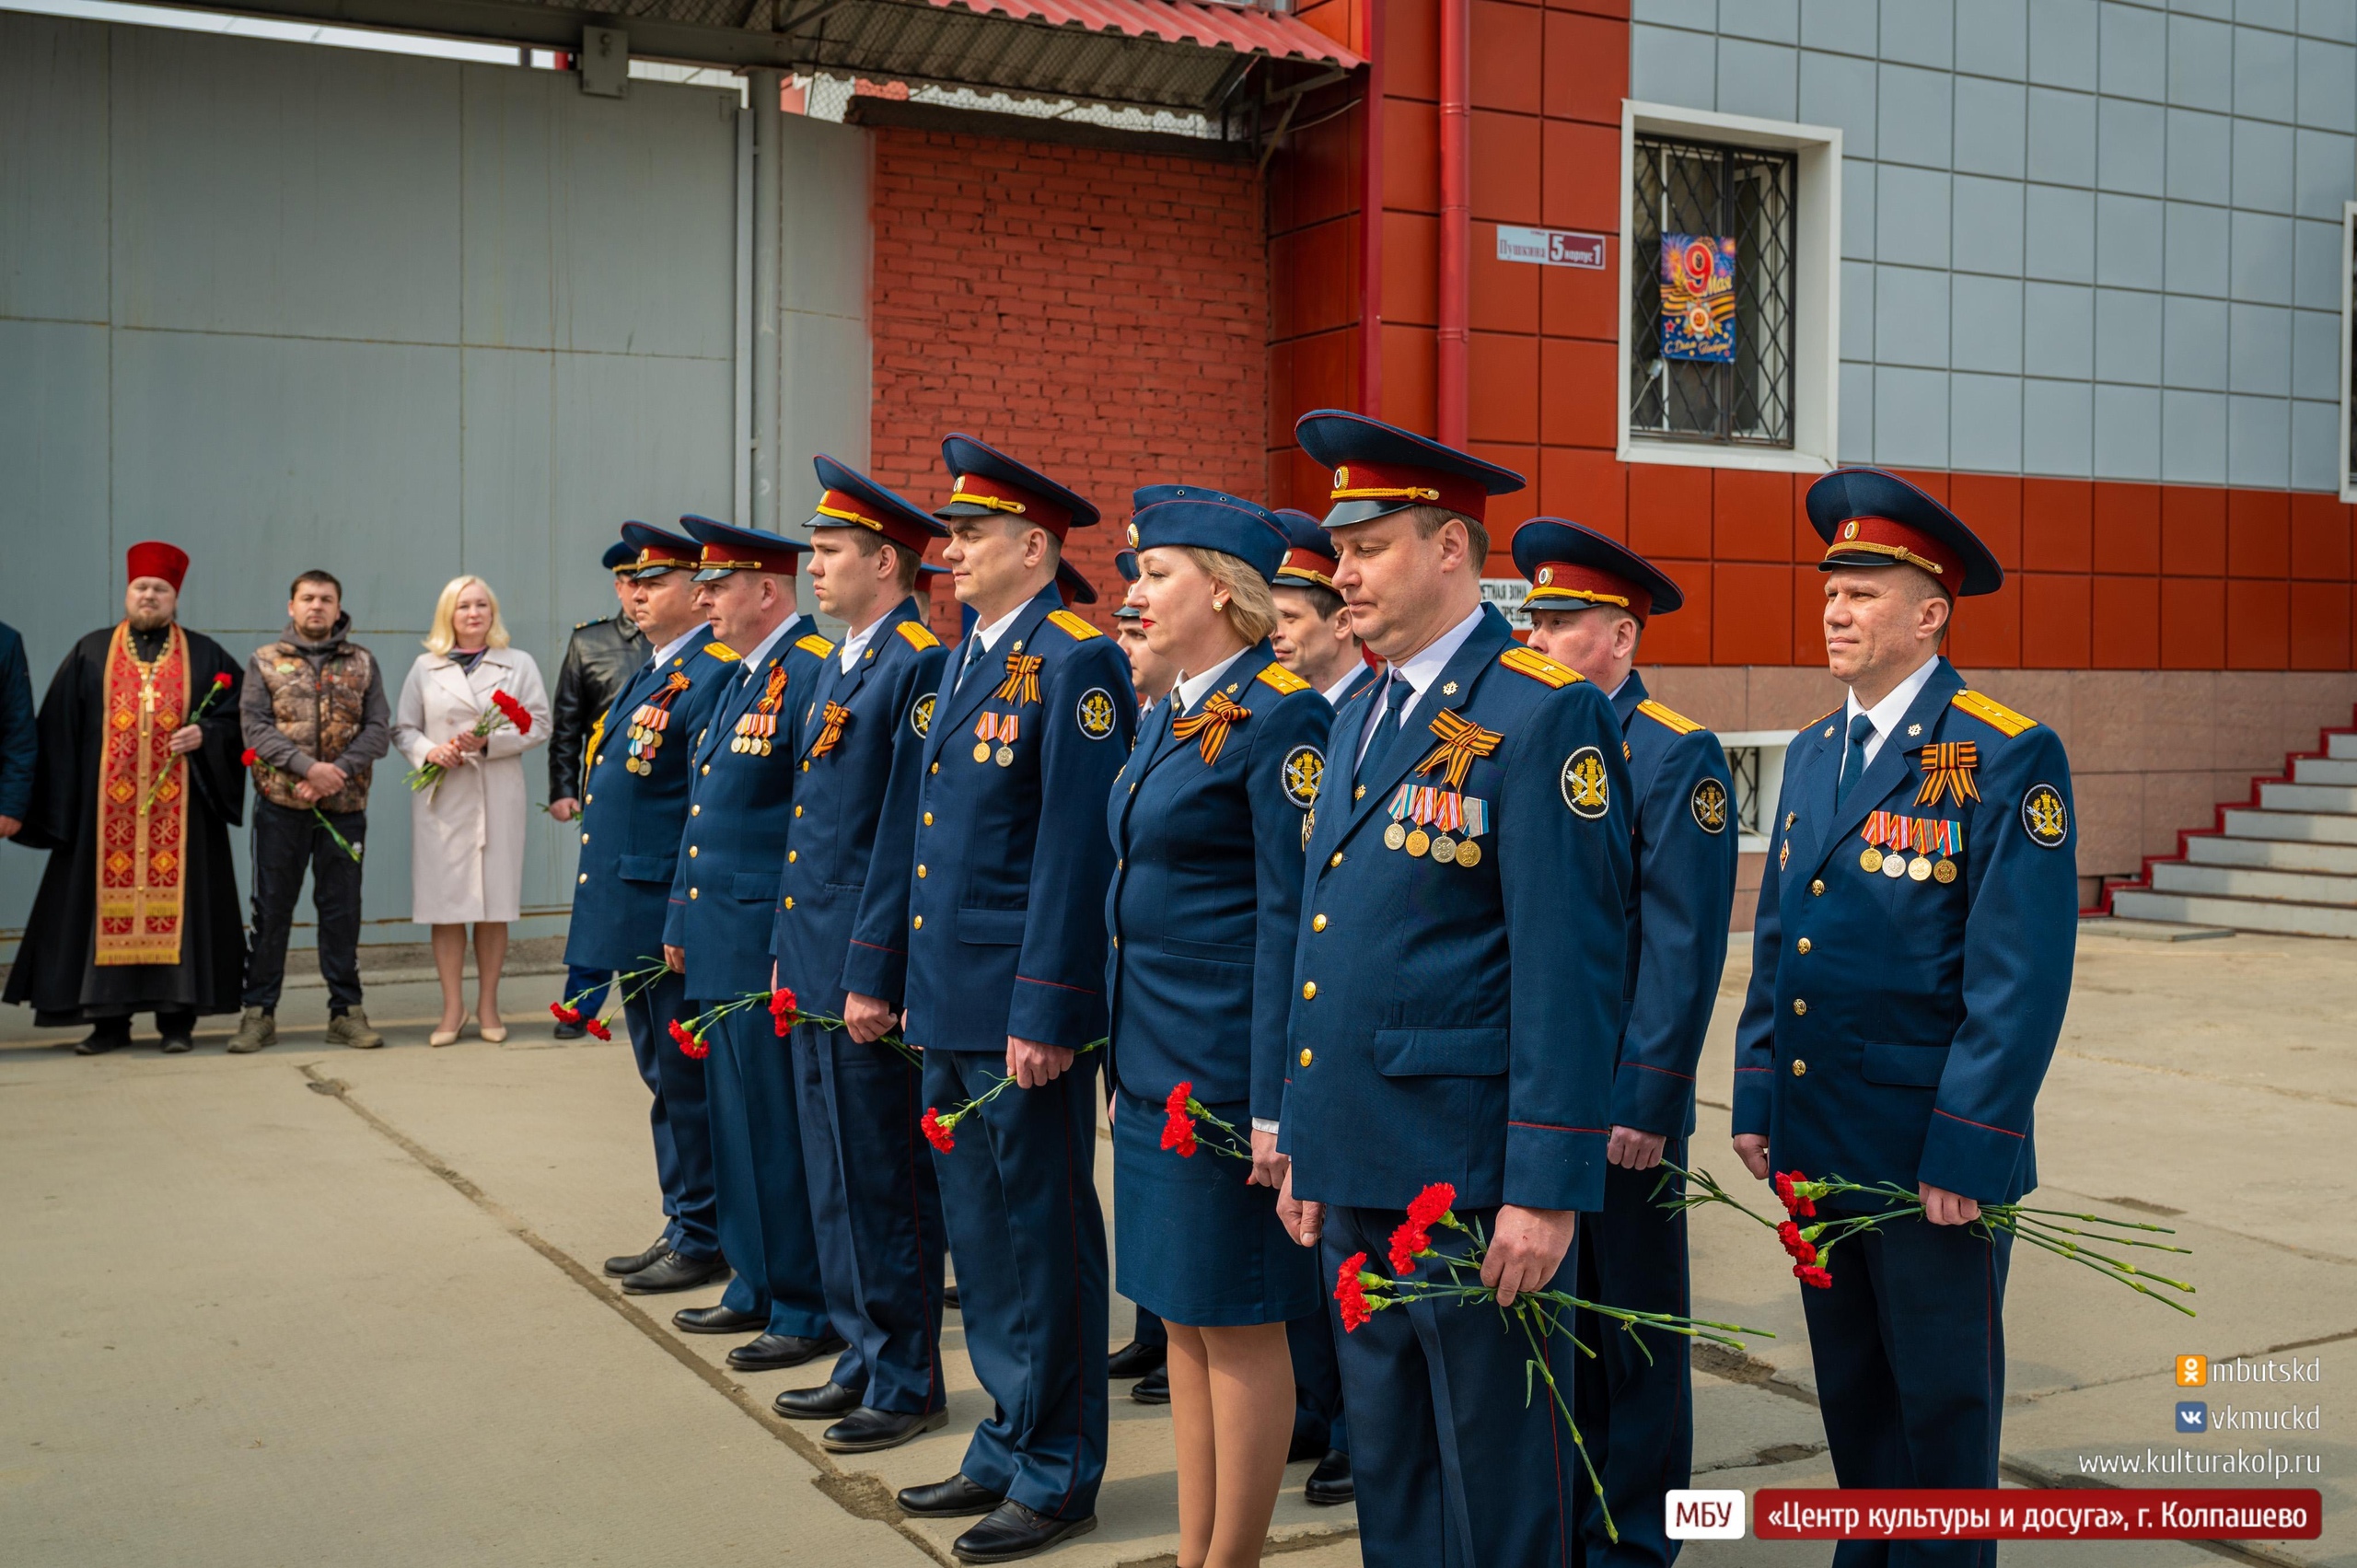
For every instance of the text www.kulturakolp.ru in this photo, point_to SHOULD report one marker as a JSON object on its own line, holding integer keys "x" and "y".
{"x": 2268, "y": 1463}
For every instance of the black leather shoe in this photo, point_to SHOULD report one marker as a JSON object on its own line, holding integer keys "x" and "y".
{"x": 631, "y": 1262}
{"x": 1330, "y": 1483}
{"x": 953, "y": 1499}
{"x": 572, "y": 1032}
{"x": 1136, "y": 1359}
{"x": 949, "y": 1298}
{"x": 714, "y": 1320}
{"x": 825, "y": 1402}
{"x": 868, "y": 1429}
{"x": 103, "y": 1040}
{"x": 677, "y": 1270}
{"x": 1013, "y": 1531}
{"x": 1154, "y": 1389}
{"x": 178, "y": 1045}
{"x": 775, "y": 1353}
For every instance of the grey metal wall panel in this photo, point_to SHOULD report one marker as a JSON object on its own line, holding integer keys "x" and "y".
{"x": 53, "y": 171}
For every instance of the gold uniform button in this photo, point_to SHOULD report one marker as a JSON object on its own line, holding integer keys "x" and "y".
{"x": 1800, "y": 1068}
{"x": 917, "y": 924}
{"x": 707, "y": 767}
{"x": 1359, "y": 794}
{"x": 1319, "y": 923}
{"x": 919, "y": 870}
{"x": 1802, "y": 946}
{"x": 1309, "y": 990}
{"x": 1305, "y": 1056}
{"x": 1800, "y": 1008}
{"x": 797, "y": 811}
{"x": 695, "y": 811}
{"x": 588, "y": 800}
{"x": 1334, "y": 859}
{"x": 691, "y": 852}
{"x": 585, "y": 876}
{"x": 692, "y": 892}
{"x": 1818, "y": 887}
{"x": 584, "y": 838}
{"x": 928, "y": 818}
{"x": 1117, "y": 944}
{"x": 601, "y": 761}
{"x": 806, "y": 766}
{"x": 789, "y": 901}
{"x": 1120, "y": 865}
{"x": 937, "y": 768}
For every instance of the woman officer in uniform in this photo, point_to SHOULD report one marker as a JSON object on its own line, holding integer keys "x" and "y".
{"x": 1209, "y": 818}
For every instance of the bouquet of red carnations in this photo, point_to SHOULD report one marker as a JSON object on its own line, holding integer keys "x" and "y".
{"x": 785, "y": 1011}
{"x": 221, "y": 683}
{"x": 1885, "y": 1203}
{"x": 1183, "y": 1119}
{"x": 1542, "y": 1315}
{"x": 628, "y": 987}
{"x": 504, "y": 710}
{"x": 253, "y": 762}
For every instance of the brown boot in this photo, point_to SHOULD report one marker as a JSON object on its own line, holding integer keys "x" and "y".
{"x": 352, "y": 1029}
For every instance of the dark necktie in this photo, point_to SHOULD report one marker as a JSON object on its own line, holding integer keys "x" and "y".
{"x": 1386, "y": 728}
{"x": 1853, "y": 758}
{"x": 973, "y": 658}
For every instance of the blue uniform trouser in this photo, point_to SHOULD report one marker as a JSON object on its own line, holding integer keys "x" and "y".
{"x": 1636, "y": 1415}
{"x": 681, "y": 1123}
{"x": 586, "y": 989}
{"x": 1020, "y": 1193}
{"x": 1909, "y": 1348}
{"x": 1318, "y": 1379}
{"x": 1454, "y": 1469}
{"x": 876, "y": 1208}
{"x": 757, "y": 1162}
{"x": 1145, "y": 1329}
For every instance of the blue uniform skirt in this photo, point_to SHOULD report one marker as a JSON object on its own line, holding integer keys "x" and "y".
{"x": 1194, "y": 1243}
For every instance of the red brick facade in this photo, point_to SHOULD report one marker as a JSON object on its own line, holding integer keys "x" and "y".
{"x": 1103, "y": 316}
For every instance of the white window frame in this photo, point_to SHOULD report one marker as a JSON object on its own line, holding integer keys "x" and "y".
{"x": 1816, "y": 299}
{"x": 2348, "y": 304}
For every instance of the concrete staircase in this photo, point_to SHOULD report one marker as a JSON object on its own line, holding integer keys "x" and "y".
{"x": 2286, "y": 862}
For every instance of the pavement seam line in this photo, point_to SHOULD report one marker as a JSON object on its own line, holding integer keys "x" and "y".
{"x": 2219, "y": 1078}
{"x": 831, "y": 1480}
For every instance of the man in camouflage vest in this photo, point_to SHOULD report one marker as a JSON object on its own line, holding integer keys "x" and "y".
{"x": 314, "y": 716}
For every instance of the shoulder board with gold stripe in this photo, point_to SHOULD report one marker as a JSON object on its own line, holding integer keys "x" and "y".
{"x": 916, "y": 636}
{"x": 1539, "y": 667}
{"x": 1993, "y": 713}
{"x": 815, "y": 645}
{"x": 1286, "y": 681}
{"x": 723, "y": 652}
{"x": 1073, "y": 626}
{"x": 1669, "y": 718}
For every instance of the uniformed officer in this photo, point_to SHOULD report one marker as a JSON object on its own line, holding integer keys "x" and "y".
{"x": 600, "y": 657}
{"x": 629, "y": 849}
{"x": 1589, "y": 602}
{"x": 1314, "y": 637}
{"x": 1911, "y": 959}
{"x": 723, "y": 902}
{"x": 1006, "y": 976}
{"x": 840, "y": 944}
{"x": 1458, "y": 991}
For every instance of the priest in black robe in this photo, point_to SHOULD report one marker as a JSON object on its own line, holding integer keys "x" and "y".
{"x": 138, "y": 783}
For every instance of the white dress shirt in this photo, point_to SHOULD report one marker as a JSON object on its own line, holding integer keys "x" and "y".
{"x": 856, "y": 643}
{"x": 662, "y": 655}
{"x": 984, "y": 639}
{"x": 1193, "y": 689}
{"x": 1420, "y": 670}
{"x": 761, "y": 649}
{"x": 1885, "y": 714}
{"x": 1334, "y": 693}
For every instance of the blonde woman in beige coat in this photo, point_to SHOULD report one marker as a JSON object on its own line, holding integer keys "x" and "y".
{"x": 467, "y": 833}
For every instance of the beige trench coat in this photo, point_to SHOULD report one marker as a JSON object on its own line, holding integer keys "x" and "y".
{"x": 467, "y": 838}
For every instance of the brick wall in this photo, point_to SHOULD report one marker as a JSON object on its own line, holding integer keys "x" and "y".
{"x": 1103, "y": 316}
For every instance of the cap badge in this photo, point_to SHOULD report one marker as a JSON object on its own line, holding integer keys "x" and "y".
{"x": 1546, "y": 576}
{"x": 1342, "y": 478}
{"x": 1850, "y": 529}
{"x": 1134, "y": 536}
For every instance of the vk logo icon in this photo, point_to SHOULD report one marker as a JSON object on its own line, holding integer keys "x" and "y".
{"x": 2193, "y": 1415}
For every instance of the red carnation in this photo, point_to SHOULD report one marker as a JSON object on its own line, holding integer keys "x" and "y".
{"x": 1351, "y": 1293}
{"x": 1788, "y": 1193}
{"x": 246, "y": 758}
{"x": 1414, "y": 1234}
{"x": 518, "y": 714}
{"x": 564, "y": 1014}
{"x": 936, "y": 1132}
{"x": 1432, "y": 1203}
{"x": 596, "y": 1028}
{"x": 690, "y": 1045}
{"x": 783, "y": 1008}
{"x": 222, "y": 680}
{"x": 1177, "y": 1127}
{"x": 1809, "y": 1274}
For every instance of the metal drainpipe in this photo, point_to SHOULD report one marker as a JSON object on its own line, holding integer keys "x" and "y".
{"x": 1455, "y": 228}
{"x": 763, "y": 88}
{"x": 1371, "y": 222}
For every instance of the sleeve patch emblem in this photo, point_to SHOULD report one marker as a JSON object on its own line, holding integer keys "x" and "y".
{"x": 1709, "y": 804}
{"x": 1587, "y": 786}
{"x": 921, "y": 716}
{"x": 2045, "y": 818}
{"x": 1305, "y": 768}
{"x": 1095, "y": 712}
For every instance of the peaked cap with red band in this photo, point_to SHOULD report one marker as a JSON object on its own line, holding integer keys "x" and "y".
{"x": 728, "y": 548}
{"x": 1075, "y": 589}
{"x": 1572, "y": 567}
{"x": 154, "y": 558}
{"x": 656, "y": 551}
{"x": 985, "y": 480}
{"x": 1310, "y": 555}
{"x": 853, "y": 500}
{"x": 1868, "y": 517}
{"x": 1380, "y": 469}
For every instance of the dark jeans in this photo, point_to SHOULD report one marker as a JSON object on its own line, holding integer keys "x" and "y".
{"x": 285, "y": 843}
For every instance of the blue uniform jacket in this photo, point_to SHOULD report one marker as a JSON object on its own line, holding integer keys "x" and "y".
{"x": 19, "y": 735}
{"x": 842, "y": 922}
{"x": 739, "y": 802}
{"x": 1007, "y": 910}
{"x": 630, "y": 846}
{"x": 1455, "y": 1023}
{"x": 1683, "y": 799}
{"x": 1205, "y": 905}
{"x": 1897, "y": 1030}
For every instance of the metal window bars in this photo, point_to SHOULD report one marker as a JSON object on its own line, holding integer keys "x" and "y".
{"x": 1747, "y": 194}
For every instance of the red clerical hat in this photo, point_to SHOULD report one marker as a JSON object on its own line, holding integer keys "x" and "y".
{"x": 154, "y": 558}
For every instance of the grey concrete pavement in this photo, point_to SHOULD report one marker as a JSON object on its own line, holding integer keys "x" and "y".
{"x": 329, "y": 1305}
